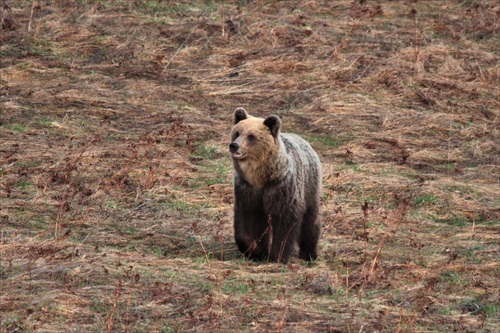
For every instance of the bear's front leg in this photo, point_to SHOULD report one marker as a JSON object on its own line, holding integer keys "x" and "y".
{"x": 285, "y": 233}
{"x": 252, "y": 234}
{"x": 251, "y": 229}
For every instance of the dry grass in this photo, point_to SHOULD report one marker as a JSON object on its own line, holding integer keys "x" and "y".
{"x": 116, "y": 187}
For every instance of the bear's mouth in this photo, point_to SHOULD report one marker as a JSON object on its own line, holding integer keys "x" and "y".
{"x": 237, "y": 156}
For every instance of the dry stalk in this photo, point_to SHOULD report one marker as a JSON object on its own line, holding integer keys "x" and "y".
{"x": 347, "y": 282}
{"x": 375, "y": 259}
{"x": 65, "y": 176}
{"x": 417, "y": 41}
{"x": 223, "y": 26}
{"x": 253, "y": 246}
{"x": 33, "y": 3}
{"x": 365, "y": 209}
{"x": 283, "y": 245}
{"x": 127, "y": 319}
{"x": 30, "y": 263}
{"x": 113, "y": 308}
{"x": 279, "y": 327}
{"x": 62, "y": 207}
{"x": 270, "y": 230}
{"x": 401, "y": 213}
{"x": 406, "y": 324}
{"x": 205, "y": 252}
{"x": 219, "y": 235}
{"x": 398, "y": 328}
{"x": 71, "y": 166}
{"x": 344, "y": 40}
{"x": 367, "y": 277}
{"x": 173, "y": 56}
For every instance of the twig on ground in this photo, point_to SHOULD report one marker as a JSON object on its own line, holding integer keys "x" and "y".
{"x": 171, "y": 59}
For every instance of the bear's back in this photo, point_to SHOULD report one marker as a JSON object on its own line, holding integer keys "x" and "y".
{"x": 304, "y": 159}
{"x": 300, "y": 150}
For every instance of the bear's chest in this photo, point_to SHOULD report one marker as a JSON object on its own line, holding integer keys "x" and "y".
{"x": 253, "y": 173}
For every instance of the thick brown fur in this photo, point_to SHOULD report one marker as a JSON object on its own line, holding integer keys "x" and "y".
{"x": 277, "y": 190}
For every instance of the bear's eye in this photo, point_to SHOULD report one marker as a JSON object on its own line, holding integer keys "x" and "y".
{"x": 251, "y": 137}
{"x": 236, "y": 134}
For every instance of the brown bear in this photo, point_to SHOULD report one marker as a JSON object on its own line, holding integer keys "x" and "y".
{"x": 277, "y": 190}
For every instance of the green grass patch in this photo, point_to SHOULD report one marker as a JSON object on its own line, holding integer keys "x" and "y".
{"x": 207, "y": 152}
{"x": 349, "y": 165}
{"x": 158, "y": 251}
{"x": 18, "y": 128}
{"x": 44, "y": 121}
{"x": 28, "y": 164}
{"x": 471, "y": 253}
{"x": 328, "y": 141}
{"x": 168, "y": 327}
{"x": 12, "y": 324}
{"x": 3, "y": 273}
{"x": 233, "y": 287}
{"x": 454, "y": 220}
{"x": 37, "y": 223}
{"x": 156, "y": 7}
{"x": 183, "y": 206}
{"x": 492, "y": 310}
{"x": 451, "y": 277}
{"x": 485, "y": 221}
{"x": 22, "y": 184}
{"x": 179, "y": 205}
{"x": 426, "y": 199}
{"x": 480, "y": 306}
{"x": 219, "y": 171}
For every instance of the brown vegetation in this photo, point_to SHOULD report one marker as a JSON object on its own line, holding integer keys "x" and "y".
{"x": 115, "y": 179}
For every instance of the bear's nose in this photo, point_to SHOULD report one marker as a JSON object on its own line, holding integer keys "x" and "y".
{"x": 233, "y": 147}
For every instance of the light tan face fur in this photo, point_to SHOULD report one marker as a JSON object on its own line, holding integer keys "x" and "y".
{"x": 256, "y": 145}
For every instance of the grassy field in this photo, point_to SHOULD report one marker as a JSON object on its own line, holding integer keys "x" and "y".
{"x": 116, "y": 181}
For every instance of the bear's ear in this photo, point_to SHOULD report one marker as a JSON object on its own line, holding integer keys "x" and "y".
{"x": 239, "y": 115}
{"x": 274, "y": 123}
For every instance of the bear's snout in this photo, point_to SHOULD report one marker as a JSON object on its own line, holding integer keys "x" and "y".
{"x": 233, "y": 147}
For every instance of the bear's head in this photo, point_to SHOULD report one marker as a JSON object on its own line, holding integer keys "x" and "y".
{"x": 253, "y": 139}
